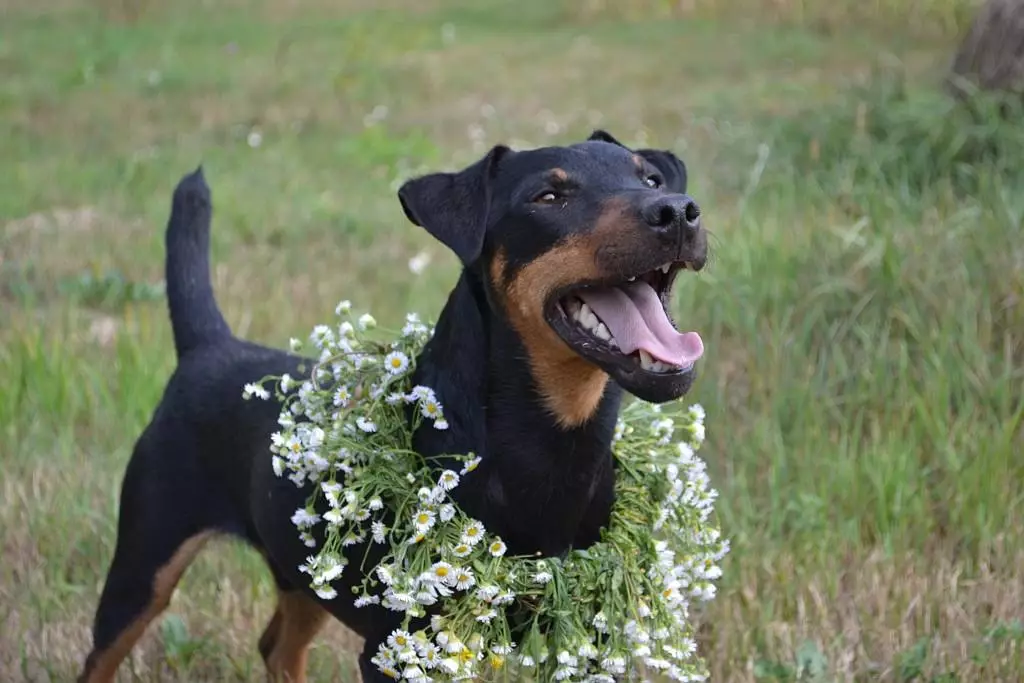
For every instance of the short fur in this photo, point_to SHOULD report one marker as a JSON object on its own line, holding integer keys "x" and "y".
{"x": 525, "y": 225}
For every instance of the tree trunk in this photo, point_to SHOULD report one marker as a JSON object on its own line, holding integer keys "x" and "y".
{"x": 991, "y": 57}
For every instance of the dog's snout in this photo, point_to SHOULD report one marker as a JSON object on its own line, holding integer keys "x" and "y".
{"x": 679, "y": 211}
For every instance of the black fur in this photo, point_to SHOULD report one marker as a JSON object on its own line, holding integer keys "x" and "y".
{"x": 202, "y": 463}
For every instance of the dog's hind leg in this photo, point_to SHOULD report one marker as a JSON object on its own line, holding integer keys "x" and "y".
{"x": 285, "y": 642}
{"x": 162, "y": 526}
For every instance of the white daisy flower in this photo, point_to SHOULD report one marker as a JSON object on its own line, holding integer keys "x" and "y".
{"x": 326, "y": 592}
{"x": 367, "y": 322}
{"x": 471, "y": 465}
{"x": 430, "y": 407}
{"x": 343, "y": 307}
{"x": 253, "y": 389}
{"x": 303, "y": 518}
{"x": 366, "y": 424}
{"x": 342, "y": 396}
{"x": 441, "y": 424}
{"x": 375, "y": 503}
{"x": 423, "y": 520}
{"x": 542, "y": 577}
{"x": 379, "y": 531}
{"x": 473, "y": 532}
{"x": 497, "y": 548}
{"x": 278, "y": 464}
{"x": 396, "y": 362}
{"x": 464, "y": 579}
{"x": 295, "y": 345}
{"x": 447, "y": 512}
{"x": 399, "y": 639}
{"x": 448, "y": 480}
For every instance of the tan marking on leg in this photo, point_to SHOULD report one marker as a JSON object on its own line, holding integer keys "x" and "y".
{"x": 299, "y": 619}
{"x": 570, "y": 385}
{"x": 104, "y": 664}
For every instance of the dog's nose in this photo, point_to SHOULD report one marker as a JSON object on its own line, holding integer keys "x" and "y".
{"x": 678, "y": 212}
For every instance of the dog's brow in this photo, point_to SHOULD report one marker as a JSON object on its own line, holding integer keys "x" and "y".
{"x": 638, "y": 160}
{"x": 559, "y": 175}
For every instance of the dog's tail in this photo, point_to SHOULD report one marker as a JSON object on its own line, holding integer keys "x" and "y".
{"x": 195, "y": 318}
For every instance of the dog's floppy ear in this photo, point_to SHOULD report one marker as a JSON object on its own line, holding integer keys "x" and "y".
{"x": 453, "y": 207}
{"x": 604, "y": 136}
{"x": 671, "y": 167}
{"x": 665, "y": 161}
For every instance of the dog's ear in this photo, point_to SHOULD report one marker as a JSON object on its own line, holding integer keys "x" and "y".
{"x": 671, "y": 167}
{"x": 665, "y": 161}
{"x": 453, "y": 207}
{"x": 604, "y": 136}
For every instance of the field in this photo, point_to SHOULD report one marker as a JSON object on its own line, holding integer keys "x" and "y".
{"x": 863, "y": 311}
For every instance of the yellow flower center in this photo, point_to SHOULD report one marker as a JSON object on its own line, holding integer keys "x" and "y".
{"x": 441, "y": 571}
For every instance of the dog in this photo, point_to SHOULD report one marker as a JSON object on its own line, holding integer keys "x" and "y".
{"x": 568, "y": 259}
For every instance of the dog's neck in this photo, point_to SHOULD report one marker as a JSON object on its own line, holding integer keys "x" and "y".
{"x": 533, "y": 471}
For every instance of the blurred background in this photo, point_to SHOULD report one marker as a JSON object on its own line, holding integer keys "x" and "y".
{"x": 862, "y": 312}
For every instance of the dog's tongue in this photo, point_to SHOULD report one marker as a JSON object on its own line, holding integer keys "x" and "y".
{"x": 635, "y": 317}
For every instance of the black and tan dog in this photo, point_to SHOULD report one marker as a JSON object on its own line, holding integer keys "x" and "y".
{"x": 569, "y": 254}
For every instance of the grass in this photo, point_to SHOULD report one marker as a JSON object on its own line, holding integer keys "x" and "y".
{"x": 862, "y": 314}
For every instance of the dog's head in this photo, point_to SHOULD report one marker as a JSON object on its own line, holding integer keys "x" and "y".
{"x": 580, "y": 247}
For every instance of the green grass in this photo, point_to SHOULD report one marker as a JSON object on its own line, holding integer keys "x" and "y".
{"x": 863, "y": 311}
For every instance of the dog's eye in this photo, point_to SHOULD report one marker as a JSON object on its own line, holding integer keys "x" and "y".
{"x": 652, "y": 181}
{"x": 547, "y": 197}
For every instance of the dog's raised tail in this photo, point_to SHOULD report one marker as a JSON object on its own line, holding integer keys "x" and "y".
{"x": 195, "y": 318}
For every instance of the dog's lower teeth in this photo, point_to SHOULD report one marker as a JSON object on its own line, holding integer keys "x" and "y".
{"x": 601, "y": 332}
{"x": 646, "y": 362}
{"x": 665, "y": 268}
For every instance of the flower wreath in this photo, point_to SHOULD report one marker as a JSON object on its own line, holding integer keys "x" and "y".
{"x": 597, "y": 614}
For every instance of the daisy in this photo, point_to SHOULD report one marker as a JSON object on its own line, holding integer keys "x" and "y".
{"x": 497, "y": 548}
{"x": 342, "y": 396}
{"x": 461, "y": 550}
{"x": 399, "y": 639}
{"x": 366, "y": 425}
{"x": 442, "y": 572}
{"x": 448, "y": 480}
{"x": 423, "y": 521}
{"x": 396, "y": 362}
{"x": 430, "y": 407}
{"x": 471, "y": 465}
{"x": 473, "y": 532}
{"x": 253, "y": 389}
{"x": 542, "y": 577}
{"x": 464, "y": 579}
{"x": 447, "y": 512}
{"x": 326, "y": 593}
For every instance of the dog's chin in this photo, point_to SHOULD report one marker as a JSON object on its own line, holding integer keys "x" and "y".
{"x": 651, "y": 387}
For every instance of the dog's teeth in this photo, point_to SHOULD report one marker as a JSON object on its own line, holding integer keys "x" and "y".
{"x": 601, "y": 332}
{"x": 632, "y": 279}
{"x": 665, "y": 268}
{"x": 588, "y": 318}
{"x": 646, "y": 362}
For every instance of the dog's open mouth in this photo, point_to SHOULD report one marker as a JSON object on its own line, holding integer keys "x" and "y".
{"x": 628, "y": 322}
